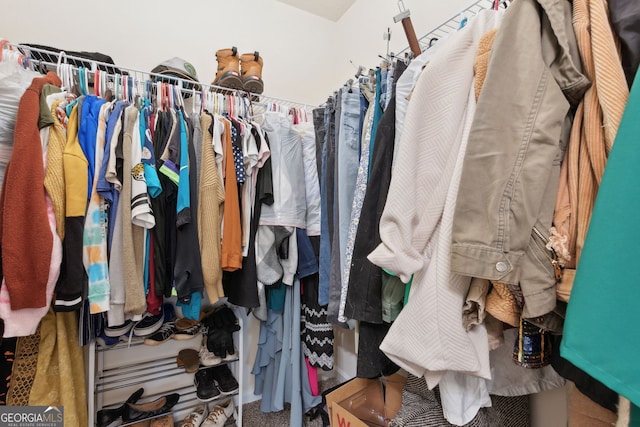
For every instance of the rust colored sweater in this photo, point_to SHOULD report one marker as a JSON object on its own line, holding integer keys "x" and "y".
{"x": 232, "y": 229}
{"x": 26, "y": 238}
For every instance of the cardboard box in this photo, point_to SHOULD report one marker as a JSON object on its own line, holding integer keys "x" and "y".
{"x": 366, "y": 403}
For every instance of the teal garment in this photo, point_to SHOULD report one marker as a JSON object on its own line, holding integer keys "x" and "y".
{"x": 183, "y": 186}
{"x": 191, "y": 310}
{"x": 635, "y": 416}
{"x": 377, "y": 115}
{"x": 148, "y": 157}
{"x": 600, "y": 331}
{"x": 276, "y": 296}
{"x": 407, "y": 287}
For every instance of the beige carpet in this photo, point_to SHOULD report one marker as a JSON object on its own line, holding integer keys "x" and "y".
{"x": 252, "y": 417}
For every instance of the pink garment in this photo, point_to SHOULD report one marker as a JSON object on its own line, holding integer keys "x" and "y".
{"x": 154, "y": 301}
{"x": 313, "y": 378}
{"x": 21, "y": 323}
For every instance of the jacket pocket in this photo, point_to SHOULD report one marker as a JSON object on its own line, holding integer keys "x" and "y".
{"x": 546, "y": 256}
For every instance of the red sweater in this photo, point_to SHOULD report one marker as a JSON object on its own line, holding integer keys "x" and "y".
{"x": 25, "y": 235}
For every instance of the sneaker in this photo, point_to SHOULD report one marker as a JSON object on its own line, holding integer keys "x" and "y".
{"x": 196, "y": 417}
{"x": 104, "y": 341}
{"x": 187, "y": 329}
{"x": 220, "y": 414}
{"x": 205, "y": 383}
{"x": 118, "y": 330}
{"x": 231, "y": 357}
{"x": 165, "y": 333}
{"x": 207, "y": 358}
{"x": 149, "y": 324}
{"x": 227, "y": 384}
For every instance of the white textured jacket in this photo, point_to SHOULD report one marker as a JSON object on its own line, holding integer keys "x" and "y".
{"x": 428, "y": 338}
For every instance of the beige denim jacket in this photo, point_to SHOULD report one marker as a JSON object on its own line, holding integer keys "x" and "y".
{"x": 520, "y": 130}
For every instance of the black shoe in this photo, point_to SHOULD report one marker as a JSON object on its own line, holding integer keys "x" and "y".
{"x": 106, "y": 417}
{"x": 118, "y": 330}
{"x": 137, "y": 412}
{"x": 149, "y": 324}
{"x": 165, "y": 333}
{"x": 227, "y": 384}
{"x": 206, "y": 389}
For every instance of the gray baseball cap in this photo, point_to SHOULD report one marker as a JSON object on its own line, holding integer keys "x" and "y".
{"x": 180, "y": 68}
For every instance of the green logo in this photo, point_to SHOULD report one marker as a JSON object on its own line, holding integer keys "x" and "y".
{"x": 190, "y": 69}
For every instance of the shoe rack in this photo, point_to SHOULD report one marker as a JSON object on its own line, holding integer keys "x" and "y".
{"x": 121, "y": 369}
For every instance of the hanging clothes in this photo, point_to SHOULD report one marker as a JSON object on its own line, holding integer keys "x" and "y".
{"x": 210, "y": 209}
{"x": 609, "y": 252}
{"x": 289, "y": 206}
{"x": 94, "y": 238}
{"x": 508, "y": 249}
{"x": 327, "y": 202}
{"x": 188, "y": 267}
{"x": 14, "y": 81}
{"x": 164, "y": 209}
{"x": 232, "y": 232}
{"x": 415, "y": 230}
{"x": 26, "y": 239}
{"x": 241, "y": 286}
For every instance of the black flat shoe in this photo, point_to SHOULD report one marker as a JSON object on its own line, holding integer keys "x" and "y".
{"x": 162, "y": 405}
{"x": 106, "y": 417}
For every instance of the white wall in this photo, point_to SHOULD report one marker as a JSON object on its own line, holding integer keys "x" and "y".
{"x": 140, "y": 34}
{"x": 362, "y": 27}
{"x": 306, "y": 57}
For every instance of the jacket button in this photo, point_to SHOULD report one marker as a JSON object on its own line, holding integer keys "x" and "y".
{"x": 502, "y": 266}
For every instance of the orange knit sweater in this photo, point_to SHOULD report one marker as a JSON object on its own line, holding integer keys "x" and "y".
{"x": 232, "y": 230}
{"x": 25, "y": 235}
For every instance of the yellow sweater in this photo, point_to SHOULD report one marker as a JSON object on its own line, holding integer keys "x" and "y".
{"x": 210, "y": 208}
{"x": 54, "y": 177}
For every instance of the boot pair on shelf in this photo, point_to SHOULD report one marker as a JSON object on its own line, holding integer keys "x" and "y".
{"x": 242, "y": 72}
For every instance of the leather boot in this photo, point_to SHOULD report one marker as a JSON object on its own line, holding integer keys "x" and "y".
{"x": 251, "y": 65}
{"x": 228, "y": 74}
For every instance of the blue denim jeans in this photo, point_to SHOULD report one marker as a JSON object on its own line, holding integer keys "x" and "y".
{"x": 347, "y": 161}
{"x": 318, "y": 125}
{"x": 326, "y": 194}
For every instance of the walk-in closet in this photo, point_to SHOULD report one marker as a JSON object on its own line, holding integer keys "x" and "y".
{"x": 384, "y": 213}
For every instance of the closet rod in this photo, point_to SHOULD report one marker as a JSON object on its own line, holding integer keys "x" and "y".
{"x": 450, "y": 24}
{"x": 113, "y": 68}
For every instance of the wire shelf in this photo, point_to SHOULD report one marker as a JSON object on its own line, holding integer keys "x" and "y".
{"x": 48, "y": 60}
{"x": 450, "y": 25}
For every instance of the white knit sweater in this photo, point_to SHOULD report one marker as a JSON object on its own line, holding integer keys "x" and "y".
{"x": 428, "y": 338}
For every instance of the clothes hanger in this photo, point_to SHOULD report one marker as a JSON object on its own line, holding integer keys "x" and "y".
{"x": 405, "y": 17}
{"x": 193, "y": 100}
{"x": 463, "y": 20}
{"x": 178, "y": 95}
{"x": 3, "y": 43}
{"x": 60, "y": 69}
{"x": 96, "y": 83}
{"x": 82, "y": 81}
{"x": 125, "y": 88}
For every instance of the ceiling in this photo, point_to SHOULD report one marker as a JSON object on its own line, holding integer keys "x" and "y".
{"x": 329, "y": 9}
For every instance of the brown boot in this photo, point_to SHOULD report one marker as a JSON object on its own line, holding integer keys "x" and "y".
{"x": 251, "y": 64}
{"x": 228, "y": 74}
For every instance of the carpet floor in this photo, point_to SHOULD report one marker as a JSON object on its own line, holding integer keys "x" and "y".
{"x": 253, "y": 417}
